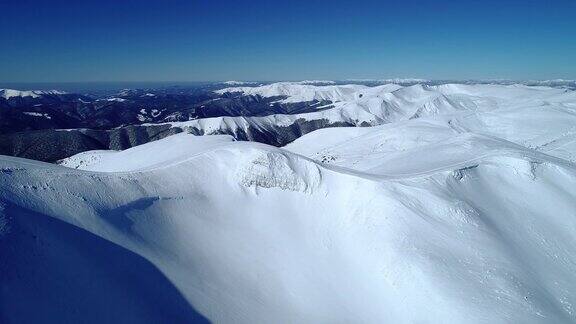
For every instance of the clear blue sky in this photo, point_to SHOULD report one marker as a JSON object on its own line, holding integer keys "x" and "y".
{"x": 143, "y": 40}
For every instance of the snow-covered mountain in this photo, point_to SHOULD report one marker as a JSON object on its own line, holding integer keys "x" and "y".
{"x": 458, "y": 208}
{"x": 359, "y": 105}
{"x": 441, "y": 219}
{"x": 301, "y": 91}
{"x": 275, "y": 113}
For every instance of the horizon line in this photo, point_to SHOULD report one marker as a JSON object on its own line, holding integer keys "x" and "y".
{"x": 296, "y": 80}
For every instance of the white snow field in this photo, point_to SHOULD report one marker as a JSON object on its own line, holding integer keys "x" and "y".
{"x": 461, "y": 214}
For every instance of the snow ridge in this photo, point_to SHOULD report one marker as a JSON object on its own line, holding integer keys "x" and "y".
{"x": 360, "y": 105}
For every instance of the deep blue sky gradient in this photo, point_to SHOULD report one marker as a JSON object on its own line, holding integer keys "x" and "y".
{"x": 128, "y": 40}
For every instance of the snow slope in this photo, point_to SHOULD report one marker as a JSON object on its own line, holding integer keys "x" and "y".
{"x": 251, "y": 233}
{"x": 180, "y": 147}
{"x": 457, "y": 216}
{"x": 545, "y": 124}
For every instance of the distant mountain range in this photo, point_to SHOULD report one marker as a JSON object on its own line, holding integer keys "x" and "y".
{"x": 49, "y": 125}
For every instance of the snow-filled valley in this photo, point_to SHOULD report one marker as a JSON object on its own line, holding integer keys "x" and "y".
{"x": 457, "y": 205}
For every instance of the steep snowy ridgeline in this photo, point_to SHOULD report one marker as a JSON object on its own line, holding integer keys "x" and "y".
{"x": 353, "y": 107}
{"x": 367, "y": 106}
{"x": 393, "y": 93}
{"x": 299, "y": 92}
{"x": 466, "y": 229}
{"x": 11, "y": 93}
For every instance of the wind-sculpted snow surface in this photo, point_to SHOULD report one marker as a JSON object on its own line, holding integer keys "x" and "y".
{"x": 463, "y": 215}
{"x": 275, "y": 169}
